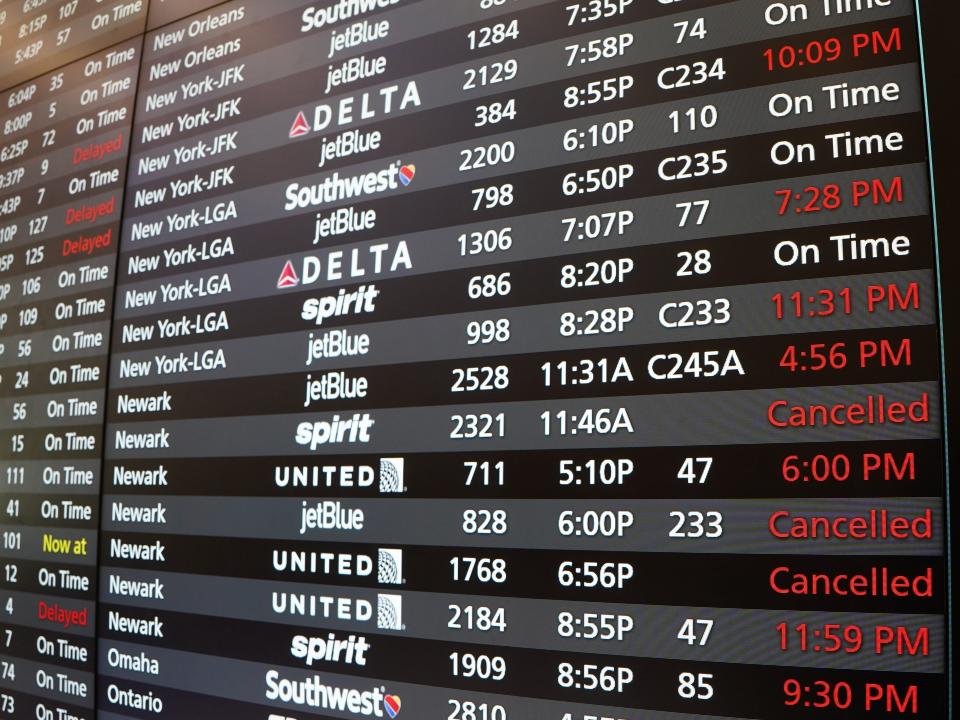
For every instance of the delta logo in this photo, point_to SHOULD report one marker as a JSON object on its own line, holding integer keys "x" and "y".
{"x": 300, "y": 126}
{"x": 338, "y": 266}
{"x": 363, "y": 107}
{"x": 288, "y": 277}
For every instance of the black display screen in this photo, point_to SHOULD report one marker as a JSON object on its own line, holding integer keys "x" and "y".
{"x": 470, "y": 360}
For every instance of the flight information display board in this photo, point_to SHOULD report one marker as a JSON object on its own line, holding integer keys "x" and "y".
{"x": 63, "y": 163}
{"x": 39, "y": 35}
{"x": 473, "y": 359}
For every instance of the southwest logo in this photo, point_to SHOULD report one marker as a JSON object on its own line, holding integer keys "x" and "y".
{"x": 288, "y": 277}
{"x": 407, "y": 173}
{"x": 300, "y": 126}
{"x": 391, "y": 703}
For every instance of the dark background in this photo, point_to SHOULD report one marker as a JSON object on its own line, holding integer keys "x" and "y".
{"x": 939, "y": 19}
{"x": 940, "y": 23}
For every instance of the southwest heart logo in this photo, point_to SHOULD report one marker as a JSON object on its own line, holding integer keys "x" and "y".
{"x": 288, "y": 277}
{"x": 300, "y": 126}
{"x": 391, "y": 703}
{"x": 407, "y": 173}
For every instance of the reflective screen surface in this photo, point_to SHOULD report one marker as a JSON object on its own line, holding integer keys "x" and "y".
{"x": 470, "y": 360}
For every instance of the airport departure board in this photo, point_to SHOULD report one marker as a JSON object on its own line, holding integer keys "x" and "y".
{"x": 470, "y": 360}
